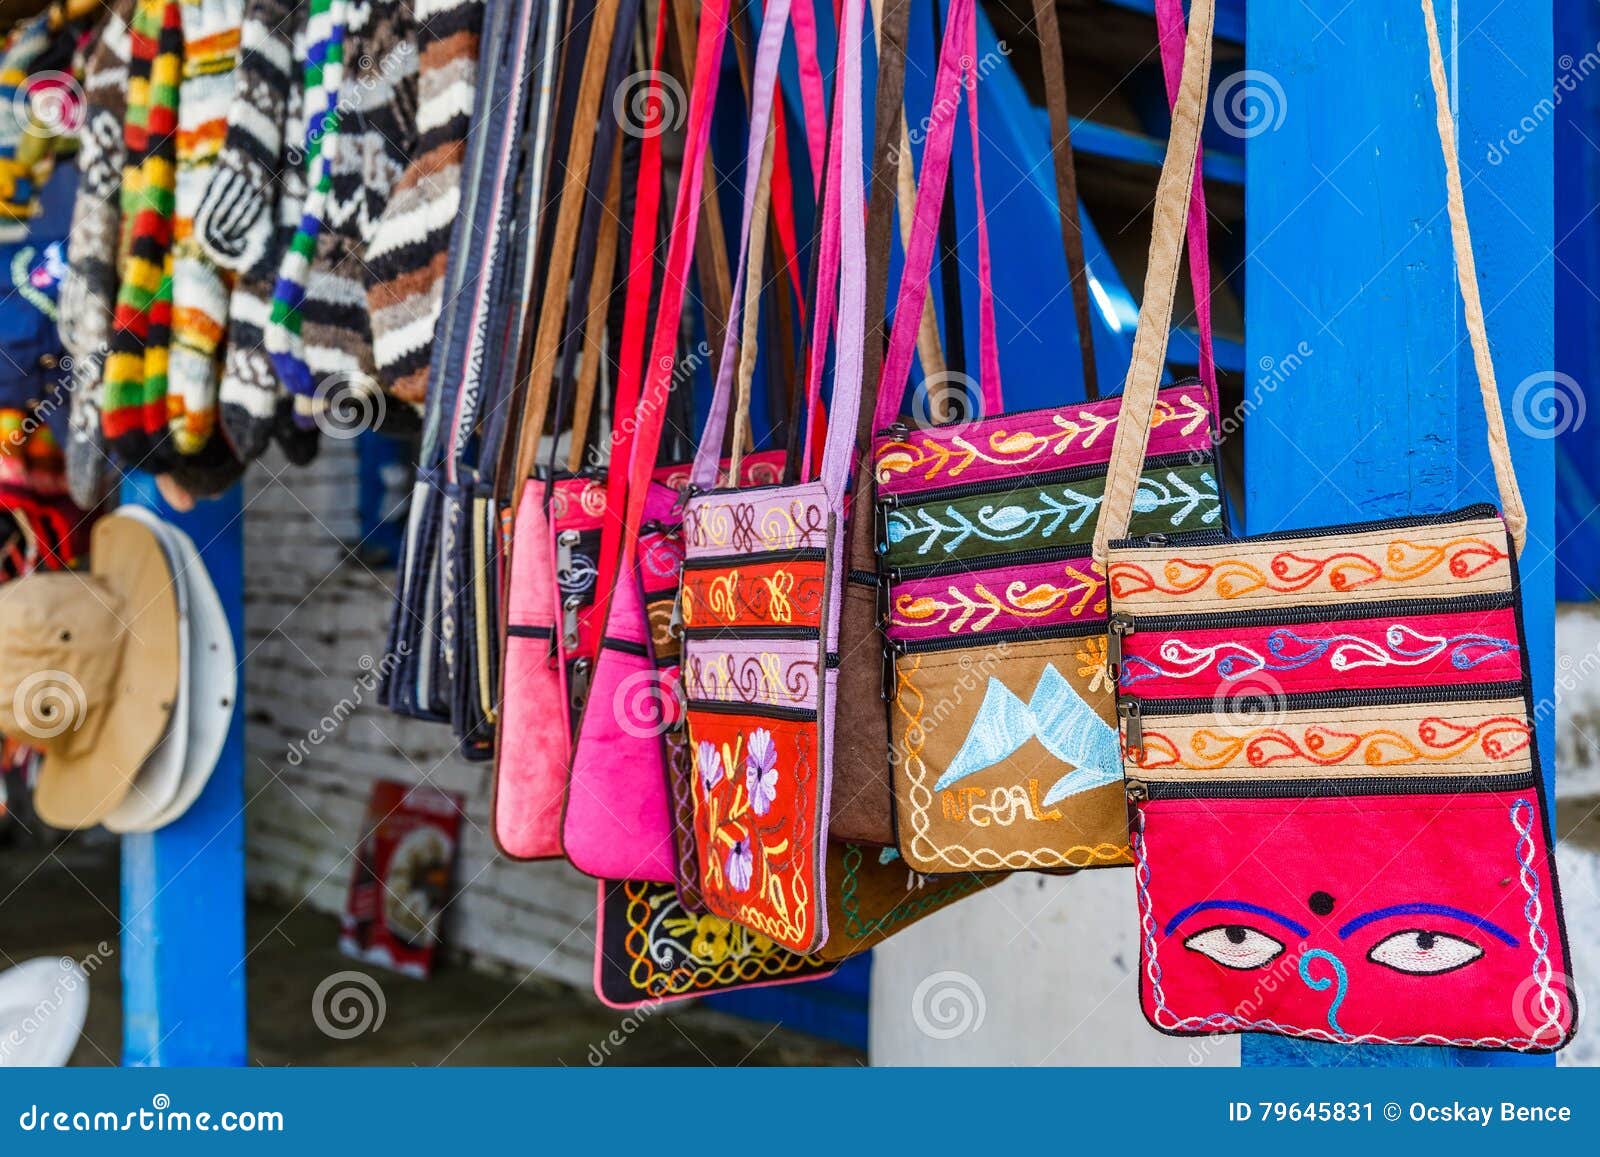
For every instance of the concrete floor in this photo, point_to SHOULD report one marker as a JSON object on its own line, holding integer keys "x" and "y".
{"x": 64, "y": 903}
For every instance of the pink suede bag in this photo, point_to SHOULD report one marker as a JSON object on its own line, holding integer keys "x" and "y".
{"x": 1338, "y": 817}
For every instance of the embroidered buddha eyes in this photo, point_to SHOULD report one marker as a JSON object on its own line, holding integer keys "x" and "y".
{"x": 1236, "y": 946}
{"x": 1422, "y": 953}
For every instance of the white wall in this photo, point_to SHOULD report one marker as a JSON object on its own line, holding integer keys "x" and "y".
{"x": 315, "y": 622}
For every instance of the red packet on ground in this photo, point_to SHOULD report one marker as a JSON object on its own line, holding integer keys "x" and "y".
{"x": 402, "y": 879}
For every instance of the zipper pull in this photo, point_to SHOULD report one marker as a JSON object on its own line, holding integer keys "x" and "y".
{"x": 565, "y": 541}
{"x": 890, "y": 684}
{"x": 1138, "y": 791}
{"x": 1156, "y": 540}
{"x": 675, "y": 619}
{"x": 578, "y": 685}
{"x": 569, "y": 621}
{"x": 1133, "y": 729}
{"x": 1118, "y": 627}
{"x": 880, "y": 512}
{"x": 900, "y": 431}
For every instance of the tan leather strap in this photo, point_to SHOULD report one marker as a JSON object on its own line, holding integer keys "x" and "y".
{"x": 552, "y": 312}
{"x": 749, "y": 335}
{"x": 594, "y": 325}
{"x": 1155, "y": 311}
{"x": 1055, "y": 98}
{"x": 1160, "y": 283}
{"x": 1505, "y": 475}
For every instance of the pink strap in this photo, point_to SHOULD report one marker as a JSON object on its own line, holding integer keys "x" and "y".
{"x": 1171, "y": 29}
{"x": 813, "y": 95}
{"x": 988, "y": 343}
{"x": 838, "y": 451}
{"x": 650, "y": 414}
{"x": 764, "y": 82}
{"x": 635, "y": 318}
{"x": 947, "y": 85}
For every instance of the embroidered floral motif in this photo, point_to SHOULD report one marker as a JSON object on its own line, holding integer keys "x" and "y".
{"x": 709, "y": 764}
{"x": 741, "y": 865}
{"x": 761, "y": 771}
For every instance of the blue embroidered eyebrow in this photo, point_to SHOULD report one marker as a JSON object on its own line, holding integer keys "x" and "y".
{"x": 1488, "y": 926}
{"x": 1235, "y": 906}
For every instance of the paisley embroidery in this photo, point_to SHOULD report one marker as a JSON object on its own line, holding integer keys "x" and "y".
{"x": 931, "y": 456}
{"x": 965, "y": 605}
{"x": 765, "y": 677}
{"x": 1342, "y": 571}
{"x": 1288, "y": 650}
{"x": 1047, "y": 516}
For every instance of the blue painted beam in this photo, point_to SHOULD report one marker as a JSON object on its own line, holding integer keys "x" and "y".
{"x": 1350, "y": 269}
{"x": 1090, "y": 138}
{"x": 183, "y": 976}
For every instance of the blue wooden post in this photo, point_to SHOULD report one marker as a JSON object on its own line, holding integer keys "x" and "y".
{"x": 183, "y": 886}
{"x": 1360, "y": 389}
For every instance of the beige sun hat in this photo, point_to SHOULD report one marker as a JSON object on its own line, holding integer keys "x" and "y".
{"x": 89, "y": 670}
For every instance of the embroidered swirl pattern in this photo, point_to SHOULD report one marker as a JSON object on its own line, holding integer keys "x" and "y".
{"x": 743, "y": 527}
{"x": 1287, "y": 650}
{"x": 674, "y": 952}
{"x": 1056, "y": 514}
{"x": 765, "y": 677}
{"x": 771, "y": 594}
{"x": 975, "y": 606}
{"x": 932, "y": 458}
{"x": 1290, "y": 571}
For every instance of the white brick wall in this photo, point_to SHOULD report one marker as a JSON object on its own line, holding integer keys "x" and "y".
{"x": 312, "y": 614}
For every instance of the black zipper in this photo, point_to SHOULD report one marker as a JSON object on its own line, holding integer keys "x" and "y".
{"x": 1027, "y": 482}
{"x": 982, "y": 562}
{"x": 516, "y": 631}
{"x": 1024, "y": 635}
{"x": 895, "y": 429}
{"x": 863, "y": 578}
{"x": 1139, "y": 790}
{"x": 1182, "y": 537}
{"x": 719, "y": 707}
{"x": 756, "y": 558}
{"x": 735, "y": 634}
{"x": 628, "y": 646}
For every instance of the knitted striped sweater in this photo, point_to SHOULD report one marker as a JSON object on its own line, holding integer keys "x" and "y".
{"x": 133, "y": 400}
{"x": 200, "y": 288}
{"x": 409, "y": 250}
{"x": 324, "y": 74}
{"x": 89, "y": 289}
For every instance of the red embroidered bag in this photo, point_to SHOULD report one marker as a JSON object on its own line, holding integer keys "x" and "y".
{"x": 1339, "y": 823}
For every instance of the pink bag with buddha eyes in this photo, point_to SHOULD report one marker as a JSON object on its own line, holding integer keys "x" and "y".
{"x": 1339, "y": 823}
